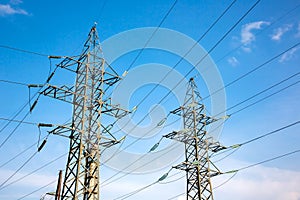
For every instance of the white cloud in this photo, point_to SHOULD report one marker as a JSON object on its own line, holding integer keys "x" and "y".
{"x": 288, "y": 55}
{"x": 6, "y": 9}
{"x": 278, "y": 33}
{"x": 233, "y": 61}
{"x": 246, "y": 35}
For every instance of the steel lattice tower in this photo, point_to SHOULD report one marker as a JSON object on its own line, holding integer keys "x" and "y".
{"x": 88, "y": 134}
{"x": 198, "y": 146}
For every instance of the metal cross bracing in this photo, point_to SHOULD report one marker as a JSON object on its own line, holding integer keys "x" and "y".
{"x": 198, "y": 145}
{"x": 87, "y": 132}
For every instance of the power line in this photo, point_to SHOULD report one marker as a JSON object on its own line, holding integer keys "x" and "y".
{"x": 215, "y": 128}
{"x": 23, "y": 107}
{"x": 219, "y": 41}
{"x": 259, "y": 32}
{"x": 22, "y": 50}
{"x": 269, "y": 160}
{"x": 163, "y": 177}
{"x": 230, "y": 115}
{"x": 282, "y": 81}
{"x": 270, "y": 133}
{"x": 32, "y": 172}
{"x": 19, "y": 154}
{"x": 13, "y": 82}
{"x": 197, "y": 64}
{"x": 26, "y": 162}
{"x": 262, "y": 99}
{"x": 187, "y": 53}
{"x": 251, "y": 71}
{"x": 18, "y": 121}
{"x": 139, "y": 167}
{"x": 14, "y": 130}
{"x": 37, "y": 190}
{"x": 237, "y": 146}
{"x": 154, "y": 32}
{"x": 13, "y": 174}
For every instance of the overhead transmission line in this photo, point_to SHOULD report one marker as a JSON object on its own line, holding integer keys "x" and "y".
{"x": 227, "y": 85}
{"x": 228, "y": 172}
{"x": 34, "y": 171}
{"x": 252, "y": 104}
{"x": 218, "y": 42}
{"x": 223, "y": 13}
{"x": 23, "y": 107}
{"x": 253, "y": 70}
{"x": 149, "y": 39}
{"x": 261, "y": 31}
{"x": 145, "y": 45}
{"x": 248, "y": 11}
{"x": 25, "y": 163}
{"x": 22, "y": 50}
{"x": 182, "y": 58}
{"x": 23, "y": 197}
{"x": 201, "y": 37}
{"x": 235, "y": 146}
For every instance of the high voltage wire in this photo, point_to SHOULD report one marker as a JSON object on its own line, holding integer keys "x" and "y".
{"x": 19, "y": 154}
{"x": 219, "y": 41}
{"x": 198, "y": 62}
{"x": 261, "y": 31}
{"x": 231, "y": 147}
{"x": 25, "y": 163}
{"x": 15, "y": 172}
{"x": 237, "y": 146}
{"x": 154, "y": 32}
{"x": 243, "y": 76}
{"x": 24, "y": 51}
{"x": 232, "y": 82}
{"x": 146, "y": 44}
{"x": 229, "y": 172}
{"x": 187, "y": 53}
{"x": 150, "y": 38}
{"x": 264, "y": 98}
{"x": 22, "y": 108}
{"x": 261, "y": 92}
{"x": 33, "y": 172}
{"x": 37, "y": 190}
{"x": 13, "y": 82}
{"x": 231, "y": 115}
{"x": 253, "y": 70}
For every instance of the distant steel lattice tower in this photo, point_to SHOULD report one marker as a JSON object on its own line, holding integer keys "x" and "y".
{"x": 91, "y": 106}
{"x": 198, "y": 146}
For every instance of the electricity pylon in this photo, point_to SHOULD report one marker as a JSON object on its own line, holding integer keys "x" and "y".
{"x": 198, "y": 146}
{"x": 87, "y": 132}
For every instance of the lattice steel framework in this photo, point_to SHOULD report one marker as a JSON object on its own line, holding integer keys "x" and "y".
{"x": 88, "y": 134}
{"x": 198, "y": 146}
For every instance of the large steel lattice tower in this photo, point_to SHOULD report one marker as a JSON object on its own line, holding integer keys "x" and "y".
{"x": 91, "y": 110}
{"x": 198, "y": 146}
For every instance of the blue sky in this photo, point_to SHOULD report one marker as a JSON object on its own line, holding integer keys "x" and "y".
{"x": 61, "y": 27}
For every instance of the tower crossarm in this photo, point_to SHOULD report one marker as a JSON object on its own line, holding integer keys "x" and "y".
{"x": 63, "y": 93}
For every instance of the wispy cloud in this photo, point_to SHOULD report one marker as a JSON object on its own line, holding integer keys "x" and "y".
{"x": 279, "y": 32}
{"x": 233, "y": 61}
{"x": 7, "y": 9}
{"x": 247, "y": 37}
{"x": 288, "y": 55}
